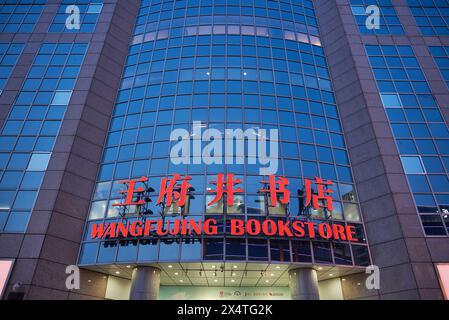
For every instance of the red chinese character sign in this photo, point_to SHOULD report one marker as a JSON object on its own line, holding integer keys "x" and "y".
{"x": 135, "y": 195}
{"x": 320, "y": 200}
{"x": 176, "y": 191}
{"x": 225, "y": 188}
{"x": 275, "y": 189}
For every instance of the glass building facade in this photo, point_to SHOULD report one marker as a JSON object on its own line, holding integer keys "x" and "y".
{"x": 388, "y": 20}
{"x": 20, "y": 15}
{"x": 9, "y": 54}
{"x": 421, "y": 134}
{"x": 432, "y": 16}
{"x": 85, "y": 109}
{"x": 253, "y": 65}
{"x": 441, "y": 57}
{"x": 89, "y": 11}
{"x": 31, "y": 128}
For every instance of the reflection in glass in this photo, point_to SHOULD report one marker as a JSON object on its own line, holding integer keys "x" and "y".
{"x": 148, "y": 250}
{"x": 88, "y": 253}
{"x": 322, "y": 252}
{"x": 258, "y": 249}
{"x": 280, "y": 250}
{"x": 107, "y": 251}
{"x": 97, "y": 210}
{"x": 191, "y": 249}
{"x": 351, "y": 212}
{"x": 301, "y": 251}
{"x": 169, "y": 250}
{"x": 127, "y": 250}
{"x": 255, "y": 205}
{"x": 361, "y": 255}
{"x": 235, "y": 249}
{"x": 213, "y": 249}
{"x": 342, "y": 253}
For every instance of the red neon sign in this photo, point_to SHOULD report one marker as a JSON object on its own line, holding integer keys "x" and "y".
{"x": 174, "y": 191}
{"x": 238, "y": 227}
{"x": 315, "y": 198}
{"x": 131, "y": 192}
{"x": 170, "y": 190}
{"x": 225, "y": 187}
{"x": 177, "y": 189}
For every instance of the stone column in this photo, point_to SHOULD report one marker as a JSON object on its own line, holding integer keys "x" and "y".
{"x": 145, "y": 283}
{"x": 303, "y": 284}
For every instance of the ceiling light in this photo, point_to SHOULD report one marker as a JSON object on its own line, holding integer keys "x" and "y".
{"x": 213, "y": 267}
{"x": 343, "y": 279}
{"x": 89, "y": 280}
{"x": 180, "y": 280}
{"x": 272, "y": 274}
{"x": 232, "y": 280}
{"x": 331, "y": 274}
{"x": 235, "y": 267}
{"x": 320, "y": 268}
{"x": 170, "y": 266}
{"x": 117, "y": 272}
{"x": 215, "y": 280}
{"x": 267, "y": 281}
{"x": 128, "y": 266}
{"x": 277, "y": 267}
{"x": 176, "y": 273}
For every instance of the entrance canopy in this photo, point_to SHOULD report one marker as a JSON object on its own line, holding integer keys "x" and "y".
{"x": 226, "y": 273}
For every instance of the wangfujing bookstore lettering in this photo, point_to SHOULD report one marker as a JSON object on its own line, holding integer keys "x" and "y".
{"x": 176, "y": 191}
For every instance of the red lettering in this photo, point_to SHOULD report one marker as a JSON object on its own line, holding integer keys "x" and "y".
{"x": 184, "y": 227}
{"x": 110, "y": 230}
{"x": 249, "y": 227}
{"x": 195, "y": 226}
{"x": 269, "y": 227}
{"x": 210, "y": 227}
{"x": 160, "y": 228}
{"x": 298, "y": 226}
{"x": 284, "y": 228}
{"x": 350, "y": 231}
{"x": 136, "y": 229}
{"x": 237, "y": 227}
{"x": 310, "y": 229}
{"x": 339, "y": 232}
{"x": 325, "y": 230}
{"x": 98, "y": 230}
{"x": 122, "y": 229}
{"x": 175, "y": 230}
{"x": 148, "y": 227}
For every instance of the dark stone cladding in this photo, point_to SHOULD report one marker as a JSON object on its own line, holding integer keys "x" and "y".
{"x": 397, "y": 242}
{"x": 55, "y": 230}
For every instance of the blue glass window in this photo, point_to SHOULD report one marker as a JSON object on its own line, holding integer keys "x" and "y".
{"x": 30, "y": 130}
{"x": 432, "y": 16}
{"x": 89, "y": 12}
{"x": 20, "y": 15}
{"x": 388, "y": 20}
{"x": 421, "y": 134}
{"x": 230, "y": 66}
